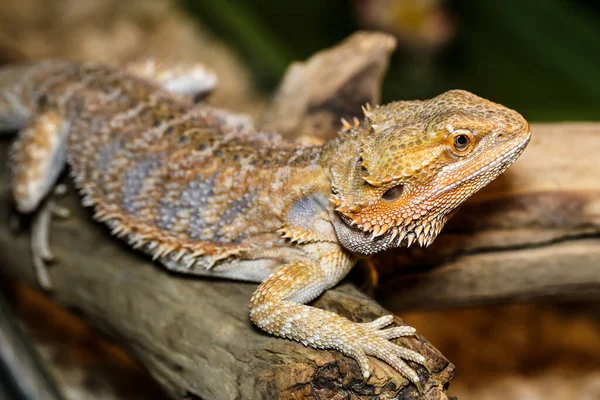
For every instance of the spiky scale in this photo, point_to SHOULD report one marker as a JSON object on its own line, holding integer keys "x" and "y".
{"x": 384, "y": 229}
{"x": 354, "y": 208}
{"x": 394, "y": 234}
{"x": 419, "y": 230}
{"x": 427, "y": 229}
{"x": 376, "y": 231}
{"x": 410, "y": 238}
{"x": 373, "y": 181}
{"x": 401, "y": 237}
{"x": 346, "y": 124}
{"x": 421, "y": 239}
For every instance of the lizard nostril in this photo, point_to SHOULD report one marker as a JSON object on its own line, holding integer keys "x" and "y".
{"x": 501, "y": 136}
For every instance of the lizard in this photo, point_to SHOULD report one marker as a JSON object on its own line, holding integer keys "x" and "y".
{"x": 206, "y": 195}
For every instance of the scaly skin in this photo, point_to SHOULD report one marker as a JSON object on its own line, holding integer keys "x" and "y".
{"x": 205, "y": 194}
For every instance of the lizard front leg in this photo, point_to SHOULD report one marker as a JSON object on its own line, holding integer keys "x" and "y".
{"x": 37, "y": 158}
{"x": 278, "y": 307}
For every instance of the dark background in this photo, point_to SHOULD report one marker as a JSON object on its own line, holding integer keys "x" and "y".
{"x": 541, "y": 57}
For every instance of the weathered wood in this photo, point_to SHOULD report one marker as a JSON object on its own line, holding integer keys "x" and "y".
{"x": 334, "y": 83}
{"x": 534, "y": 232}
{"x": 24, "y": 376}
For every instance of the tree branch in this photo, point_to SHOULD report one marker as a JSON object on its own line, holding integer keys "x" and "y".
{"x": 334, "y": 83}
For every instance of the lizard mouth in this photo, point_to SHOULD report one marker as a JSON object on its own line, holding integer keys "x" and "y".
{"x": 495, "y": 167}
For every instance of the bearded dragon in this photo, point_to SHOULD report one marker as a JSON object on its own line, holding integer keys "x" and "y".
{"x": 205, "y": 194}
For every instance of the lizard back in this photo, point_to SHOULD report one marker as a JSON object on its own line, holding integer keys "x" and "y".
{"x": 177, "y": 180}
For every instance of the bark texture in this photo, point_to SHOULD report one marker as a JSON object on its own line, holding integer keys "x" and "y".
{"x": 333, "y": 84}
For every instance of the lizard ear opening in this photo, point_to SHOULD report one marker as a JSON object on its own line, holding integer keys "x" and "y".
{"x": 393, "y": 193}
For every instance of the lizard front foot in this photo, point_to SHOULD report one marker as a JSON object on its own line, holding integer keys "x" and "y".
{"x": 277, "y": 307}
{"x": 359, "y": 340}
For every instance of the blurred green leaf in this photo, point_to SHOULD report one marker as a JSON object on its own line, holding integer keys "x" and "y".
{"x": 541, "y": 57}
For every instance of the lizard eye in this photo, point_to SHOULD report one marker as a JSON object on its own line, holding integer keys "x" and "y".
{"x": 393, "y": 193}
{"x": 462, "y": 143}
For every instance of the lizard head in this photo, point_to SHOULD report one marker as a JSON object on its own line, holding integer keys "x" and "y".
{"x": 404, "y": 170}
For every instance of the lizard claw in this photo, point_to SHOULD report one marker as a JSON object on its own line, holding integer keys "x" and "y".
{"x": 59, "y": 211}
{"x": 369, "y": 339}
{"x": 379, "y": 323}
{"x": 419, "y": 387}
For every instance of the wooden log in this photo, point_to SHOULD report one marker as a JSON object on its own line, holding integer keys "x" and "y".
{"x": 24, "y": 376}
{"x": 334, "y": 83}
